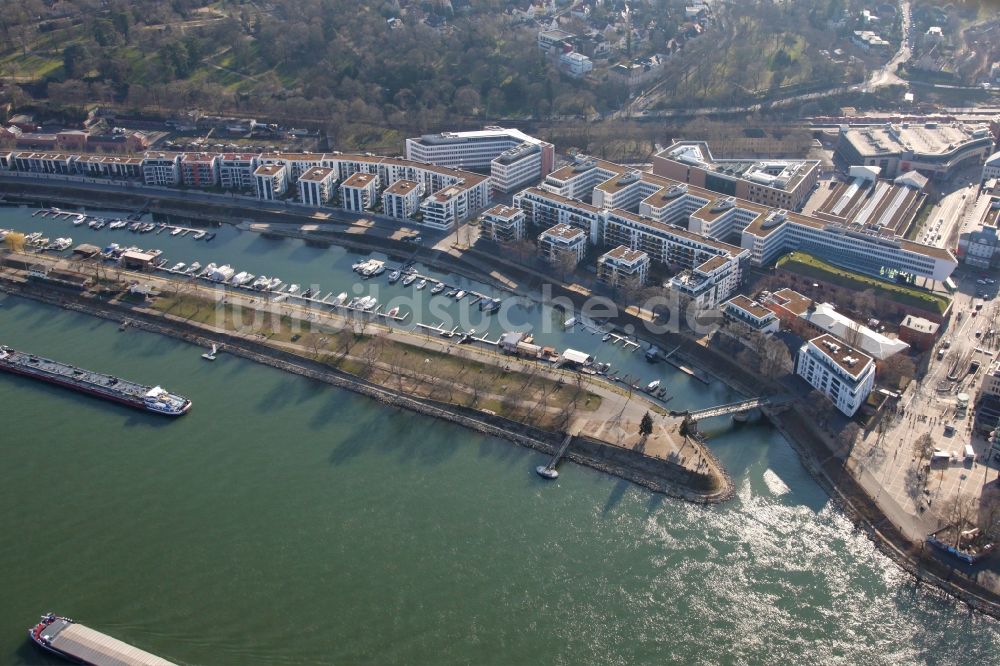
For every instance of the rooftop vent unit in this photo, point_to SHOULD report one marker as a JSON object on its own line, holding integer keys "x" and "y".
{"x": 675, "y": 191}
{"x": 723, "y": 204}
{"x": 774, "y": 218}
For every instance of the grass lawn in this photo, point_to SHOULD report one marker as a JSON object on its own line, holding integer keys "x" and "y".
{"x": 810, "y": 266}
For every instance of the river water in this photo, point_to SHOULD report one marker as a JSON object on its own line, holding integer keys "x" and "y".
{"x": 283, "y": 521}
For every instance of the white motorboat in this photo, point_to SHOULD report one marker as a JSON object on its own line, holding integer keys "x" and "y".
{"x": 80, "y": 219}
{"x": 409, "y": 279}
{"x": 274, "y": 284}
{"x": 421, "y": 284}
{"x": 210, "y": 356}
{"x": 179, "y": 266}
{"x": 193, "y": 268}
{"x": 260, "y": 282}
{"x": 652, "y": 386}
{"x": 238, "y": 279}
{"x": 341, "y": 297}
{"x": 438, "y": 288}
{"x": 294, "y": 289}
{"x": 200, "y": 235}
{"x": 209, "y": 270}
{"x": 176, "y": 231}
{"x": 393, "y": 312}
{"x": 460, "y": 295}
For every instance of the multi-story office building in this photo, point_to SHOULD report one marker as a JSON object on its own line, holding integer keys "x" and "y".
{"x": 358, "y": 192}
{"x": 503, "y": 224}
{"x": 623, "y": 266}
{"x": 200, "y": 169}
{"x": 492, "y": 148}
{"x": 162, "y": 169}
{"x": 563, "y": 241}
{"x": 401, "y": 200}
{"x": 271, "y": 181}
{"x": 936, "y": 150}
{"x": 837, "y": 370}
{"x": 517, "y": 167}
{"x": 236, "y": 170}
{"x": 316, "y": 186}
{"x": 980, "y": 247}
{"x": 778, "y": 183}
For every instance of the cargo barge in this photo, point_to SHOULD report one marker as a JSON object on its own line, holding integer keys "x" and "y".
{"x": 83, "y": 645}
{"x": 149, "y": 398}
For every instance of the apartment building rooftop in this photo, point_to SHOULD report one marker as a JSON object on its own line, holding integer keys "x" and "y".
{"x": 625, "y": 254}
{"x": 268, "y": 169}
{"x": 850, "y": 360}
{"x": 359, "y": 179}
{"x": 564, "y": 232}
{"x": 750, "y": 306}
{"x": 111, "y": 159}
{"x": 316, "y": 174}
{"x": 502, "y": 211}
{"x": 401, "y": 187}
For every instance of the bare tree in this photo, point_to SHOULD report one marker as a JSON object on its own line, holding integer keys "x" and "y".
{"x": 923, "y": 447}
{"x": 897, "y": 370}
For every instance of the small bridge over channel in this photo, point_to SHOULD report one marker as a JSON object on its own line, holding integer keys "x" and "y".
{"x": 731, "y": 408}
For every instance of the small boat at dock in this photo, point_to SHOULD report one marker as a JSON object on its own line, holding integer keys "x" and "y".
{"x": 421, "y": 284}
{"x": 210, "y": 356}
{"x": 394, "y": 277}
{"x": 438, "y": 288}
{"x": 409, "y": 279}
{"x": 176, "y": 231}
{"x": 546, "y": 472}
{"x": 460, "y": 294}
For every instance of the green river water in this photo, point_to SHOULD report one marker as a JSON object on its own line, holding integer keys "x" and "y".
{"x": 283, "y": 521}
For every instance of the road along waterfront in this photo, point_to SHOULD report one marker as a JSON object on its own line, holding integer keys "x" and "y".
{"x": 282, "y": 522}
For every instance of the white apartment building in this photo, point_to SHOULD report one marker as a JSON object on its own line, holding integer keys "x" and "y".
{"x": 751, "y": 313}
{"x": 358, "y": 192}
{"x": 503, "y": 224}
{"x": 162, "y": 169}
{"x": 575, "y": 64}
{"x": 110, "y": 166}
{"x": 316, "y": 186}
{"x": 443, "y": 208}
{"x": 401, "y": 200}
{"x": 840, "y": 372}
{"x": 236, "y": 170}
{"x": 32, "y": 162}
{"x": 623, "y": 266}
{"x": 562, "y": 240}
{"x": 271, "y": 181}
